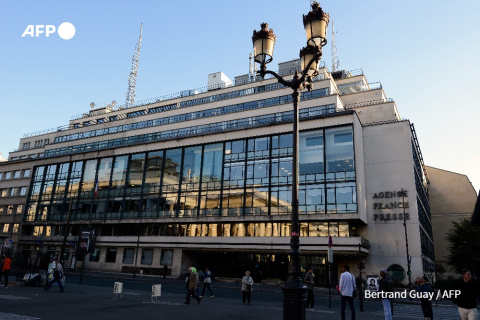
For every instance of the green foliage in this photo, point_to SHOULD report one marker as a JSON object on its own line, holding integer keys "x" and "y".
{"x": 463, "y": 243}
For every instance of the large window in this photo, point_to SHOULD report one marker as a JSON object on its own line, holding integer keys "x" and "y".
{"x": 147, "y": 256}
{"x": 251, "y": 176}
{"x": 128, "y": 255}
{"x": 166, "y": 257}
{"x": 111, "y": 255}
{"x": 339, "y": 152}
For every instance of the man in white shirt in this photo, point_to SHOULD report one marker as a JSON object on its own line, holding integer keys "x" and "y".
{"x": 347, "y": 287}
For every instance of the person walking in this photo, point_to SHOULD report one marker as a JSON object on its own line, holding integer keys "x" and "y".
{"x": 6, "y": 269}
{"x": 207, "y": 282}
{"x": 191, "y": 284}
{"x": 165, "y": 270}
{"x": 309, "y": 281}
{"x": 423, "y": 286}
{"x": 469, "y": 296}
{"x": 247, "y": 284}
{"x": 57, "y": 276}
{"x": 347, "y": 288}
{"x": 385, "y": 284}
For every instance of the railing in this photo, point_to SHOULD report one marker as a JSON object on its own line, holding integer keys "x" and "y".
{"x": 348, "y": 74}
{"x": 360, "y": 88}
{"x": 367, "y": 103}
{"x": 419, "y": 152}
{"x": 150, "y": 101}
{"x": 222, "y": 126}
{"x": 383, "y": 122}
{"x": 191, "y": 92}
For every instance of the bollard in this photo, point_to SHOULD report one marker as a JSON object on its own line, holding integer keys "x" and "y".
{"x": 156, "y": 292}
{"x": 117, "y": 290}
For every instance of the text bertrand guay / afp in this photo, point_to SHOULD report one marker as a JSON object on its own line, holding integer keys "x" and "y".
{"x": 448, "y": 294}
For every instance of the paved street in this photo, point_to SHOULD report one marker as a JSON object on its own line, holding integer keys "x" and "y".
{"x": 94, "y": 300}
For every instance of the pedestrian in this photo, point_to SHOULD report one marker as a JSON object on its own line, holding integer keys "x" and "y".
{"x": 191, "y": 285}
{"x": 247, "y": 283}
{"x": 347, "y": 288}
{"x": 385, "y": 284}
{"x": 309, "y": 281}
{"x": 207, "y": 281}
{"x": 57, "y": 276}
{"x": 6, "y": 269}
{"x": 469, "y": 296}
{"x": 423, "y": 286}
{"x": 165, "y": 270}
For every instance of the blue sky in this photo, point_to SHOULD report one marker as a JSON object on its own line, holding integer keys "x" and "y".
{"x": 425, "y": 53}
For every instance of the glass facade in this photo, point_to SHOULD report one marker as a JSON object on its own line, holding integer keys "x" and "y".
{"x": 234, "y": 178}
{"x": 248, "y": 229}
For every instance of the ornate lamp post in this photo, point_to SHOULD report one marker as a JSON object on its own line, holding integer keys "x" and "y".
{"x": 315, "y": 23}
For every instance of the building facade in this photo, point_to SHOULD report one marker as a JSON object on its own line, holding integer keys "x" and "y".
{"x": 452, "y": 197}
{"x": 203, "y": 177}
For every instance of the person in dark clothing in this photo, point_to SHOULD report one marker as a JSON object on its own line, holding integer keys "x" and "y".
{"x": 6, "y": 269}
{"x": 310, "y": 283}
{"x": 165, "y": 270}
{"x": 191, "y": 284}
{"x": 385, "y": 284}
{"x": 423, "y": 286}
{"x": 469, "y": 296}
{"x": 207, "y": 282}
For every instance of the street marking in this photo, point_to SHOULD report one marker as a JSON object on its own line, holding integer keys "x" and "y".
{"x": 11, "y": 316}
{"x": 316, "y": 310}
{"x": 131, "y": 293}
{"x": 165, "y": 303}
{"x": 9, "y": 297}
{"x": 415, "y": 312}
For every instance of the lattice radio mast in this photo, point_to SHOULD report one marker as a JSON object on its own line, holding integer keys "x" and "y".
{"x": 132, "y": 78}
{"x": 335, "y": 60}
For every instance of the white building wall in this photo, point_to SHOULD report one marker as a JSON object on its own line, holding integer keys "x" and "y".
{"x": 389, "y": 168}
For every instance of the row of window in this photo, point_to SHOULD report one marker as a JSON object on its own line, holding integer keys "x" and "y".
{"x": 17, "y": 174}
{"x": 12, "y": 192}
{"x": 242, "y": 177}
{"x": 240, "y": 107}
{"x": 262, "y": 229}
{"x": 5, "y": 227}
{"x": 146, "y": 256}
{"x": 190, "y": 103}
{"x": 11, "y": 209}
{"x": 37, "y": 144}
{"x": 267, "y": 119}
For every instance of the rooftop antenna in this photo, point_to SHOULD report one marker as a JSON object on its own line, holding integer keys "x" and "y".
{"x": 335, "y": 60}
{"x": 132, "y": 78}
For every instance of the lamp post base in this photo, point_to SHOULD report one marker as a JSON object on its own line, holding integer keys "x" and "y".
{"x": 294, "y": 297}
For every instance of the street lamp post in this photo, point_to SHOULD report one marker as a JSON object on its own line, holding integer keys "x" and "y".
{"x": 65, "y": 234}
{"x": 403, "y": 194}
{"x": 315, "y": 23}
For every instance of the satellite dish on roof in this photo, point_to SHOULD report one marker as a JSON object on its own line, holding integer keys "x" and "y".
{"x": 92, "y": 105}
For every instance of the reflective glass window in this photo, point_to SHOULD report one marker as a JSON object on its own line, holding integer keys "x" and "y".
{"x": 339, "y": 149}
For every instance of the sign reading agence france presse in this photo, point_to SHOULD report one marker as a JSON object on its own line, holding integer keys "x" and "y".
{"x": 390, "y": 200}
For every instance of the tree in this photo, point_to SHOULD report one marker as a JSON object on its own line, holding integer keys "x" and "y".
{"x": 464, "y": 243}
